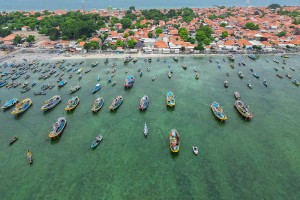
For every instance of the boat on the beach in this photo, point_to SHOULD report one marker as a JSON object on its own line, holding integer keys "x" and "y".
{"x": 116, "y": 103}
{"x": 174, "y": 141}
{"x": 72, "y": 103}
{"x": 252, "y": 56}
{"x": 61, "y": 83}
{"x": 96, "y": 88}
{"x": 295, "y": 82}
{"x": 29, "y": 157}
{"x": 237, "y": 95}
{"x": 218, "y": 111}
{"x": 242, "y": 109}
{"x": 145, "y": 130}
{"x": 195, "y": 150}
{"x": 144, "y": 102}
{"x": 51, "y": 103}
{"x": 58, "y": 128}
{"x": 231, "y": 57}
{"x": 22, "y": 107}
{"x": 10, "y": 103}
{"x": 97, "y": 105}
{"x": 129, "y": 81}
{"x": 170, "y": 99}
{"x": 13, "y": 140}
{"x": 96, "y": 142}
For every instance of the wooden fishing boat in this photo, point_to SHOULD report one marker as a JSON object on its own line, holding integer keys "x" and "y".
{"x": 249, "y": 85}
{"x": 106, "y": 61}
{"x": 127, "y": 59}
{"x": 13, "y": 140}
{"x": 22, "y": 107}
{"x": 195, "y": 150}
{"x": 232, "y": 65}
{"x": 116, "y": 103}
{"x": 10, "y": 103}
{"x": 197, "y": 76}
{"x": 184, "y": 66}
{"x": 51, "y": 103}
{"x": 3, "y": 83}
{"x": 72, "y": 103}
{"x": 174, "y": 141}
{"x": 96, "y": 142}
{"x": 144, "y": 102}
{"x": 218, "y": 111}
{"x": 145, "y": 130}
{"x": 170, "y": 99}
{"x": 242, "y": 109}
{"x": 58, "y": 128}
{"x": 295, "y": 82}
{"x": 94, "y": 64}
{"x": 97, "y": 105}
{"x": 289, "y": 76}
{"x": 169, "y": 74}
{"x": 153, "y": 78}
{"x": 79, "y": 71}
{"x": 237, "y": 95}
{"x": 75, "y": 88}
{"x": 29, "y": 157}
{"x": 96, "y": 88}
{"x": 26, "y": 89}
{"x": 241, "y": 75}
{"x": 129, "y": 81}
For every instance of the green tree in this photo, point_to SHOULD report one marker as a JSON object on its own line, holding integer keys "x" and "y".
{"x": 30, "y": 38}
{"x": 4, "y": 32}
{"x": 53, "y": 33}
{"x": 131, "y": 33}
{"x": 274, "y": 6}
{"x": 223, "y": 24}
{"x": 191, "y": 40}
{"x": 281, "y": 34}
{"x": 150, "y": 34}
{"x": 126, "y": 23}
{"x": 206, "y": 41}
{"x": 158, "y": 31}
{"x": 183, "y": 33}
{"x": 87, "y": 46}
{"x": 224, "y": 34}
{"x": 17, "y": 40}
{"x": 199, "y": 47}
{"x": 251, "y": 26}
{"x": 120, "y": 43}
{"x": 126, "y": 35}
{"x": 200, "y": 35}
{"x": 131, "y": 43}
{"x": 94, "y": 44}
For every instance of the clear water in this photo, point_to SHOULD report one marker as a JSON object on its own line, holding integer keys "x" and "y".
{"x": 238, "y": 159}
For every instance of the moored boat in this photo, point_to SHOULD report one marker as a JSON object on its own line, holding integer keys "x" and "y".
{"x": 174, "y": 141}
{"x": 58, "y": 128}
{"x": 144, "y": 102}
{"x": 255, "y": 75}
{"x": 39, "y": 93}
{"x": 72, "y": 103}
{"x": 197, "y": 76}
{"x": 249, "y": 85}
{"x": 252, "y": 56}
{"x": 295, "y": 82}
{"x": 96, "y": 88}
{"x": 237, "y": 95}
{"x": 129, "y": 81}
{"x": 289, "y": 76}
{"x": 175, "y": 59}
{"x": 170, "y": 99}
{"x": 61, "y": 83}
{"x": 96, "y": 142}
{"x": 97, "y": 105}
{"x": 10, "y": 103}
{"x": 265, "y": 83}
{"x": 75, "y": 88}
{"x": 226, "y": 84}
{"x": 22, "y": 107}
{"x": 218, "y": 111}
{"x": 116, "y": 103}
{"x": 241, "y": 75}
{"x": 13, "y": 140}
{"x": 242, "y": 109}
{"x": 195, "y": 150}
{"x": 145, "y": 130}
{"x": 231, "y": 57}
{"x": 51, "y": 103}
{"x": 127, "y": 59}
{"x": 29, "y": 157}
{"x": 279, "y": 75}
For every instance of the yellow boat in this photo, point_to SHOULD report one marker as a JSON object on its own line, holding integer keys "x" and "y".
{"x": 72, "y": 103}
{"x": 170, "y": 99}
{"x": 29, "y": 157}
{"x": 22, "y": 107}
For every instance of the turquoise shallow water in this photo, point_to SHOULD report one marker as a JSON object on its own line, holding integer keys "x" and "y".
{"x": 238, "y": 159}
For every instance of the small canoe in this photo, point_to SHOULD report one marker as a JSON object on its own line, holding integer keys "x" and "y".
{"x": 13, "y": 140}
{"x": 195, "y": 150}
{"x": 10, "y": 103}
{"x": 97, "y": 105}
{"x": 237, "y": 95}
{"x": 96, "y": 142}
{"x": 96, "y": 88}
{"x": 145, "y": 130}
{"x": 29, "y": 157}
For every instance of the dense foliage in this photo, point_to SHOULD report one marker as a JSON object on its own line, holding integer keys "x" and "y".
{"x": 274, "y": 6}
{"x": 251, "y": 26}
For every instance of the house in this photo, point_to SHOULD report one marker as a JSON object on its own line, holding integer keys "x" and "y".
{"x": 149, "y": 42}
{"x": 160, "y": 45}
{"x": 25, "y": 28}
{"x": 242, "y": 42}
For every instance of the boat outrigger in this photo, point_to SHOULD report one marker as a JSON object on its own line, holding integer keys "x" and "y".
{"x": 116, "y": 103}
{"x": 218, "y": 111}
{"x": 10, "y": 103}
{"x": 242, "y": 109}
{"x": 174, "y": 141}
{"x": 22, "y": 107}
{"x": 97, "y": 105}
{"x": 144, "y": 102}
{"x": 72, "y": 103}
{"x": 170, "y": 99}
{"x": 51, "y": 103}
{"x": 58, "y": 128}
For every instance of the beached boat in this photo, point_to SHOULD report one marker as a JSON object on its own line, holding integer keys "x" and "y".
{"x": 51, "y": 103}
{"x": 75, "y": 88}
{"x": 129, "y": 81}
{"x": 241, "y": 75}
{"x": 226, "y": 84}
{"x": 255, "y": 75}
{"x": 174, "y": 141}
{"x": 96, "y": 88}
{"x": 29, "y": 157}
{"x": 96, "y": 142}
{"x": 231, "y": 57}
{"x": 72, "y": 103}
{"x": 116, "y": 103}
{"x": 195, "y": 150}
{"x": 170, "y": 99}
{"x": 242, "y": 109}
{"x": 145, "y": 130}
{"x": 144, "y": 102}
{"x": 58, "y": 128}
{"x": 22, "y": 107}
{"x": 237, "y": 95}
{"x": 97, "y": 105}
{"x": 61, "y": 83}
{"x": 10, "y": 103}
{"x": 252, "y": 56}
{"x": 218, "y": 111}
{"x": 13, "y": 140}
{"x": 295, "y": 82}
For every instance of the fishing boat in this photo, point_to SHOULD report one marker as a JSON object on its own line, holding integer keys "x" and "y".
{"x": 184, "y": 66}
{"x": 134, "y": 60}
{"x": 79, "y": 71}
{"x": 169, "y": 74}
{"x": 144, "y": 102}
{"x": 197, "y": 76}
{"x": 58, "y": 128}
{"x": 96, "y": 142}
{"x": 295, "y": 82}
{"x": 95, "y": 64}
{"x": 145, "y": 130}
{"x": 252, "y": 56}
{"x": 10, "y": 103}
{"x": 51, "y": 103}
{"x": 237, "y": 95}
{"x": 33, "y": 84}
{"x": 175, "y": 59}
{"x": 243, "y": 63}
{"x": 98, "y": 78}
{"x": 61, "y": 83}
{"x": 97, "y": 105}
{"x": 13, "y": 140}
{"x": 232, "y": 65}
{"x": 114, "y": 83}
{"x": 109, "y": 79}
{"x": 129, "y": 81}
{"x": 153, "y": 78}
{"x": 72, "y": 103}
{"x": 141, "y": 74}
{"x": 96, "y": 88}
{"x": 289, "y": 76}
{"x": 265, "y": 83}
{"x": 79, "y": 77}
{"x": 249, "y": 85}
{"x": 45, "y": 87}
{"x": 279, "y": 75}
{"x": 195, "y": 150}
{"x": 218, "y": 111}
{"x": 106, "y": 61}
{"x": 241, "y": 75}
{"x": 87, "y": 71}
{"x": 29, "y": 157}
{"x": 255, "y": 75}
{"x": 149, "y": 60}
{"x": 226, "y": 84}
{"x": 127, "y": 59}
{"x": 293, "y": 69}
{"x": 75, "y": 88}
{"x": 170, "y": 99}
{"x": 242, "y": 109}
{"x": 22, "y": 107}
{"x": 116, "y": 103}
{"x": 231, "y": 57}
{"x": 39, "y": 93}
{"x": 174, "y": 141}
{"x": 3, "y": 83}
{"x": 285, "y": 56}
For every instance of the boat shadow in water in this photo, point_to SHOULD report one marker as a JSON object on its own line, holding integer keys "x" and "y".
{"x": 55, "y": 140}
{"x": 170, "y": 108}
{"x": 174, "y": 155}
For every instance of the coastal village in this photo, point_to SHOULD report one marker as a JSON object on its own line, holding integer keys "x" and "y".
{"x": 233, "y": 29}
